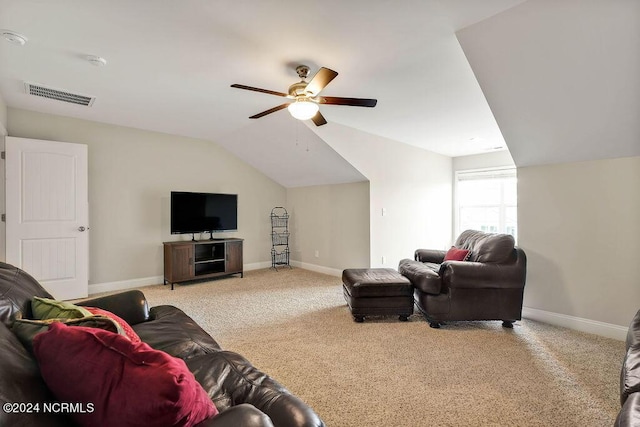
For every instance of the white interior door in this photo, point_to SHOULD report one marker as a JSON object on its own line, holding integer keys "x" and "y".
{"x": 47, "y": 213}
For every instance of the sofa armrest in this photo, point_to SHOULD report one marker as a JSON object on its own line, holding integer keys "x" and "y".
{"x": 244, "y": 415}
{"x": 477, "y": 275}
{"x": 629, "y": 414}
{"x": 131, "y": 306}
{"x": 230, "y": 380}
{"x": 421, "y": 276}
{"x": 429, "y": 255}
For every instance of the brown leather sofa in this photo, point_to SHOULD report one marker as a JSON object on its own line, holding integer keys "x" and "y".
{"x": 629, "y": 415}
{"x": 243, "y": 395}
{"x": 489, "y": 285}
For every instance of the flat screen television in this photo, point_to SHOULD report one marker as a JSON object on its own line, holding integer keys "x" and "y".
{"x": 203, "y": 212}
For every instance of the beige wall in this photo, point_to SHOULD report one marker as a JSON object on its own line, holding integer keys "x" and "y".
{"x": 332, "y": 220}
{"x": 412, "y": 185}
{"x": 131, "y": 175}
{"x": 579, "y": 224}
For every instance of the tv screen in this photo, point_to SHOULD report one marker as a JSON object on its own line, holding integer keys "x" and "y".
{"x": 203, "y": 212}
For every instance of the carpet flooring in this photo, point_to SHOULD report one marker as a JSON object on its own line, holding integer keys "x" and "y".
{"x": 295, "y": 326}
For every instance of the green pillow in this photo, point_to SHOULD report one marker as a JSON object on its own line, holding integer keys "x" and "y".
{"x": 45, "y": 308}
{"x": 26, "y": 329}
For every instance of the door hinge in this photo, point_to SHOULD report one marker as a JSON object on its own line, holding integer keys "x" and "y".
{"x": 3, "y": 155}
{"x": 3, "y": 217}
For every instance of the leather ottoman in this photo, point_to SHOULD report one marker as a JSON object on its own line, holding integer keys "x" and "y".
{"x": 377, "y": 291}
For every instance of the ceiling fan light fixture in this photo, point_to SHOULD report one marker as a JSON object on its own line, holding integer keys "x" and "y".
{"x": 306, "y": 97}
{"x": 303, "y": 109}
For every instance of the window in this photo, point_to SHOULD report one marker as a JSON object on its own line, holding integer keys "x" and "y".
{"x": 486, "y": 200}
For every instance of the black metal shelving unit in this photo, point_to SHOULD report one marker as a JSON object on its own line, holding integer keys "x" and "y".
{"x": 279, "y": 237}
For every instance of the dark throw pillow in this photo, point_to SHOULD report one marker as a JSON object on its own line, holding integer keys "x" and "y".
{"x": 455, "y": 254}
{"x": 126, "y": 384}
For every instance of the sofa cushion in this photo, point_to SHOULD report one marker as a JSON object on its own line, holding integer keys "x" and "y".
{"x": 629, "y": 415}
{"x": 633, "y": 333}
{"x": 630, "y": 372}
{"x": 27, "y": 329}
{"x": 119, "y": 382}
{"x": 422, "y": 276}
{"x": 455, "y": 254}
{"x": 17, "y": 289}
{"x": 171, "y": 330}
{"x": 20, "y": 381}
{"x": 486, "y": 247}
{"x": 124, "y": 326}
{"x": 47, "y": 308}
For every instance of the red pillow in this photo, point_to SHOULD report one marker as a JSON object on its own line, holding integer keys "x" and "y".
{"x": 119, "y": 382}
{"x": 455, "y": 254}
{"x": 128, "y": 330}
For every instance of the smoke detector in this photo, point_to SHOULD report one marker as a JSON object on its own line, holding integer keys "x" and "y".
{"x": 98, "y": 61}
{"x": 13, "y": 37}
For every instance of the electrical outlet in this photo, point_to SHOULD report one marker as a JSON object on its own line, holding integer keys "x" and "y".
{"x": 383, "y": 259}
{"x": 317, "y": 253}
{"x": 384, "y": 211}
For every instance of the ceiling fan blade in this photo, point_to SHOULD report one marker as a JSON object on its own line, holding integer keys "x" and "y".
{"x": 319, "y": 119}
{"x": 355, "y": 102}
{"x": 322, "y": 78}
{"x": 257, "y": 89}
{"x": 272, "y": 110}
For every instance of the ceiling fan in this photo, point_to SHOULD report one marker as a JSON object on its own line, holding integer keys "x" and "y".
{"x": 305, "y": 96}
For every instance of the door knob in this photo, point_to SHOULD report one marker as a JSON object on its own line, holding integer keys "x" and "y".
{"x": 81, "y": 228}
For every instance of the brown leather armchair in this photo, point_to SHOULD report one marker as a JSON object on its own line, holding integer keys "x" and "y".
{"x": 488, "y": 285}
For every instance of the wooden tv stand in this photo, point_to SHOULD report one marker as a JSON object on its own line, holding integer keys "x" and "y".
{"x": 189, "y": 260}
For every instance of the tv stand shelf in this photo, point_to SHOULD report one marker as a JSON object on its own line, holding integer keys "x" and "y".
{"x": 189, "y": 260}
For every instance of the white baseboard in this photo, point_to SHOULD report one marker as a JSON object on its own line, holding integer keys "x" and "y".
{"x": 256, "y": 266}
{"x": 155, "y": 280}
{"x": 318, "y": 268}
{"x": 580, "y": 324}
{"x": 125, "y": 284}
{"x": 607, "y": 330}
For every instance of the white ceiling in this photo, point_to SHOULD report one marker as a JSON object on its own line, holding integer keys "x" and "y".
{"x": 563, "y": 82}
{"x": 170, "y": 65}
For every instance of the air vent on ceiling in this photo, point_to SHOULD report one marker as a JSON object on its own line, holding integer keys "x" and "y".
{"x": 58, "y": 95}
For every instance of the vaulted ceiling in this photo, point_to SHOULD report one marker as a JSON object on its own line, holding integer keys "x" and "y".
{"x": 170, "y": 65}
{"x": 562, "y": 78}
